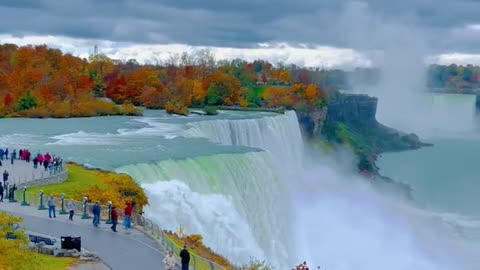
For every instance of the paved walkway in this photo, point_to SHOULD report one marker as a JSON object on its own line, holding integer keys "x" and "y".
{"x": 22, "y": 171}
{"x": 121, "y": 251}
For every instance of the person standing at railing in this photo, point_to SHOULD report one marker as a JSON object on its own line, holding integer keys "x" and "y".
{"x": 71, "y": 210}
{"x": 185, "y": 255}
{"x": 128, "y": 216}
{"x": 96, "y": 209}
{"x": 169, "y": 261}
{"x": 13, "y": 156}
{"x": 51, "y": 207}
{"x": 114, "y": 219}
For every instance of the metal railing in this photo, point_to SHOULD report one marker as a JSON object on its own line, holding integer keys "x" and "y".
{"x": 142, "y": 223}
{"x": 152, "y": 229}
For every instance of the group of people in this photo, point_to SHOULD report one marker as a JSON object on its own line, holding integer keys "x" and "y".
{"x": 170, "y": 259}
{"x": 53, "y": 164}
{"x": 127, "y": 212}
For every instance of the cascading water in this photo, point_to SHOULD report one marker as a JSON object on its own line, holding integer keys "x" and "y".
{"x": 242, "y": 205}
{"x": 279, "y": 135}
{"x": 233, "y": 200}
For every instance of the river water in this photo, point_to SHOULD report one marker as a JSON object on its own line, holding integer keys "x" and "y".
{"x": 250, "y": 186}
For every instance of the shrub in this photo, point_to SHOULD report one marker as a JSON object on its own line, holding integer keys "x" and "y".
{"x": 27, "y": 102}
{"x": 209, "y": 110}
{"x": 176, "y": 107}
{"x": 130, "y": 109}
{"x": 256, "y": 264}
{"x": 39, "y": 112}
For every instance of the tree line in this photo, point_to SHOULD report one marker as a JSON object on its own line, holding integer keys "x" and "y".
{"x": 37, "y": 81}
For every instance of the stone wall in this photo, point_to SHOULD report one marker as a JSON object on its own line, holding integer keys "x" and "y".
{"x": 53, "y": 179}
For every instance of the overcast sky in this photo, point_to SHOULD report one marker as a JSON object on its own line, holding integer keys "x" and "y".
{"x": 306, "y": 32}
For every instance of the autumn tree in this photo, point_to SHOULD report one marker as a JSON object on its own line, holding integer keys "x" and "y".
{"x": 222, "y": 89}
{"x": 99, "y": 66}
{"x": 277, "y": 96}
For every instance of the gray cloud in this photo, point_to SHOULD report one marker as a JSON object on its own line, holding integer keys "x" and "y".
{"x": 242, "y": 23}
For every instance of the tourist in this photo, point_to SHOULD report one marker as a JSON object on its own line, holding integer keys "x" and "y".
{"x": 51, "y": 207}
{"x": 5, "y": 177}
{"x": 114, "y": 219}
{"x": 47, "y": 157}
{"x": 169, "y": 261}
{"x": 1, "y": 192}
{"x": 40, "y": 159}
{"x": 13, "y": 156}
{"x": 128, "y": 216}
{"x": 185, "y": 255}
{"x": 96, "y": 209}
{"x": 35, "y": 162}
{"x": 45, "y": 164}
{"x": 6, "y": 153}
{"x": 20, "y": 154}
{"x": 71, "y": 210}
{"x": 11, "y": 193}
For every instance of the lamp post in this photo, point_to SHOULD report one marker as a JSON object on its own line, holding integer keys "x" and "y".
{"x": 109, "y": 214}
{"x": 62, "y": 211}
{"x": 84, "y": 203}
{"x": 24, "y": 201}
{"x": 42, "y": 206}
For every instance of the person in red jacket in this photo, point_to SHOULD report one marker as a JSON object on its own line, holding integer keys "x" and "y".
{"x": 114, "y": 219}
{"x": 128, "y": 216}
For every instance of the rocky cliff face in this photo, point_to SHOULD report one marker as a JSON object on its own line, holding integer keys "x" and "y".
{"x": 311, "y": 123}
{"x": 357, "y": 113}
{"x": 353, "y": 110}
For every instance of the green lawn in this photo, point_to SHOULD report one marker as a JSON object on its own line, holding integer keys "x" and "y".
{"x": 54, "y": 263}
{"x": 79, "y": 180}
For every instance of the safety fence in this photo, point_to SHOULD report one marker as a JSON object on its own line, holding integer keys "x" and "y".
{"x": 141, "y": 222}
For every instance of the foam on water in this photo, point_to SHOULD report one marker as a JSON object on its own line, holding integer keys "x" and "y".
{"x": 345, "y": 223}
{"x": 249, "y": 180}
{"x": 153, "y": 128}
{"x": 214, "y": 216}
{"x": 16, "y": 140}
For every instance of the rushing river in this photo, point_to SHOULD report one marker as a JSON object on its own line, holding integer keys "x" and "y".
{"x": 247, "y": 183}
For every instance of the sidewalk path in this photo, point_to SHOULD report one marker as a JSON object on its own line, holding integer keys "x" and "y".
{"x": 22, "y": 171}
{"x": 121, "y": 251}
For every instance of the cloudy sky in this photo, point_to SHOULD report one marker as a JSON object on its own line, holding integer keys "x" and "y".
{"x": 306, "y": 32}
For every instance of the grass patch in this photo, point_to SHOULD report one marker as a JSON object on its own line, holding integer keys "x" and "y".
{"x": 79, "y": 180}
{"x": 96, "y": 185}
{"x": 15, "y": 256}
{"x": 46, "y": 262}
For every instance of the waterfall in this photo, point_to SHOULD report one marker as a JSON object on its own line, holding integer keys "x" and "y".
{"x": 279, "y": 135}
{"x": 237, "y": 202}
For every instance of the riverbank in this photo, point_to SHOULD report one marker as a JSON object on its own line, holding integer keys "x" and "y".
{"x": 91, "y": 109}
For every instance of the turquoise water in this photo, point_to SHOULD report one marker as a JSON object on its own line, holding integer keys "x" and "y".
{"x": 112, "y": 142}
{"x": 445, "y": 177}
{"x": 242, "y": 180}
